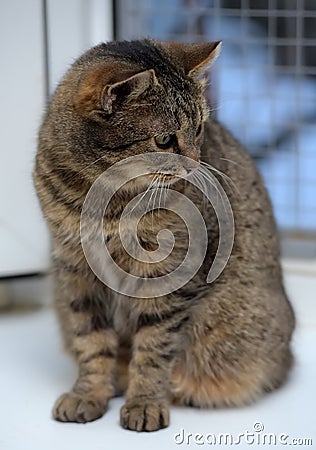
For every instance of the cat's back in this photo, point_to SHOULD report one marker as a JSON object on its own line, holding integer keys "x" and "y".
{"x": 255, "y": 237}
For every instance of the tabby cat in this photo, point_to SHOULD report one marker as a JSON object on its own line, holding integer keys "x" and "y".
{"x": 204, "y": 345}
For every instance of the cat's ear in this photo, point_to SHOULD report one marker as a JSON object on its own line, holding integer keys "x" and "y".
{"x": 104, "y": 85}
{"x": 128, "y": 89}
{"x": 201, "y": 56}
{"x": 194, "y": 58}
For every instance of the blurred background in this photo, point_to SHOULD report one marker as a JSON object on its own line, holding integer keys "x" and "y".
{"x": 263, "y": 88}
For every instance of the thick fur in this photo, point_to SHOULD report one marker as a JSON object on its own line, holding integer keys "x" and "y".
{"x": 205, "y": 345}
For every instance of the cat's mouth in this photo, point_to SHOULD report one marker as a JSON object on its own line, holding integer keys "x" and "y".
{"x": 173, "y": 174}
{"x": 163, "y": 174}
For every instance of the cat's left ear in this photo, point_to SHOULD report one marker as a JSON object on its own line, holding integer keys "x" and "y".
{"x": 195, "y": 59}
{"x": 128, "y": 89}
{"x": 202, "y": 57}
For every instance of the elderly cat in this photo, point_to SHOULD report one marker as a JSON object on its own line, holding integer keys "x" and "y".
{"x": 204, "y": 345}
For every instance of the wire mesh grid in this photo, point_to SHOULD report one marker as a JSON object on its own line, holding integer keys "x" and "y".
{"x": 264, "y": 83}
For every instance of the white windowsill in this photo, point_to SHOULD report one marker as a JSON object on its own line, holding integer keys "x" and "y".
{"x": 34, "y": 371}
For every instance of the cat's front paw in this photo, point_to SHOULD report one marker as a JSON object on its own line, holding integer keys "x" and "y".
{"x": 144, "y": 416}
{"x": 71, "y": 407}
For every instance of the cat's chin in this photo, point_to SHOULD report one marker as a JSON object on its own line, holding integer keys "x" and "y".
{"x": 167, "y": 180}
{"x": 168, "y": 177}
{"x": 154, "y": 181}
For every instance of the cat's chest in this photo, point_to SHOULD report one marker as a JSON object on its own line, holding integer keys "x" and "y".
{"x": 123, "y": 315}
{"x": 139, "y": 246}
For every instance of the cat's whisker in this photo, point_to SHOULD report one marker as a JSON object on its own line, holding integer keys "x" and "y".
{"x": 142, "y": 197}
{"x": 231, "y": 161}
{"x": 219, "y": 194}
{"x": 139, "y": 105}
{"x": 214, "y": 169}
{"x": 202, "y": 181}
{"x": 58, "y": 165}
{"x": 152, "y": 196}
{"x": 225, "y": 177}
{"x": 215, "y": 108}
{"x": 162, "y": 189}
{"x": 206, "y": 176}
{"x": 165, "y": 194}
{"x": 91, "y": 164}
{"x": 158, "y": 194}
{"x": 157, "y": 191}
{"x": 202, "y": 171}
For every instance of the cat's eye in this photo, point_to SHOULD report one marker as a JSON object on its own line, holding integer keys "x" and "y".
{"x": 198, "y": 130}
{"x": 163, "y": 140}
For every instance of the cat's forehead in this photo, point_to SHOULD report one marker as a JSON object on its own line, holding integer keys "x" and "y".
{"x": 141, "y": 87}
{"x": 185, "y": 103}
{"x": 149, "y": 55}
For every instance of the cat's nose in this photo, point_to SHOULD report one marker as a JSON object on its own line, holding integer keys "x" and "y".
{"x": 190, "y": 169}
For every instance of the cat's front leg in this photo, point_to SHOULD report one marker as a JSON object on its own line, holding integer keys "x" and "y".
{"x": 93, "y": 343}
{"x": 155, "y": 345}
{"x": 89, "y": 397}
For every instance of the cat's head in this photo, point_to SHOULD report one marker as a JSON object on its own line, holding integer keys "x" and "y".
{"x": 139, "y": 97}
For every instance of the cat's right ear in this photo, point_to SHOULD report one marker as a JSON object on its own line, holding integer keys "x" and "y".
{"x": 127, "y": 90}
{"x": 97, "y": 97}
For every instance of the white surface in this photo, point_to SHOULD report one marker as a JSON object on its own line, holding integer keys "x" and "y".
{"x": 73, "y": 27}
{"x": 23, "y": 237}
{"x": 34, "y": 371}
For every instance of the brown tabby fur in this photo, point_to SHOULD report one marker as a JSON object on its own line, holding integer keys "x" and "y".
{"x": 205, "y": 345}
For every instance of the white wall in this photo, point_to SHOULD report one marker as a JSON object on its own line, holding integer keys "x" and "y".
{"x": 23, "y": 238}
{"x": 73, "y": 26}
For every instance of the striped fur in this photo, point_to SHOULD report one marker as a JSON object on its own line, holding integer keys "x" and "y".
{"x": 204, "y": 345}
